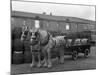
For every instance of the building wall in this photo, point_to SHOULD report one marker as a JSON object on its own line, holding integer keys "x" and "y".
{"x": 30, "y": 23}
{"x": 19, "y": 22}
{"x": 73, "y": 27}
{"x": 82, "y": 27}
{"x": 16, "y": 22}
{"x": 54, "y": 26}
{"x": 50, "y": 25}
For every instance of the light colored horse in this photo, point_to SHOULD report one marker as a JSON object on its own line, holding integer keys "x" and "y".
{"x": 46, "y": 43}
{"x": 60, "y": 44}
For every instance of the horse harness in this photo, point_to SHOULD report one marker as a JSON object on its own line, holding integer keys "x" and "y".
{"x": 37, "y": 47}
{"x": 47, "y": 40}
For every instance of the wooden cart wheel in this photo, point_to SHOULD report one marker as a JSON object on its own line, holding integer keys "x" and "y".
{"x": 86, "y": 53}
{"x": 74, "y": 55}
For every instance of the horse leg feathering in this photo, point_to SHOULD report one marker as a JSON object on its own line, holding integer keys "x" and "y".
{"x": 39, "y": 60}
{"x": 45, "y": 57}
{"x": 49, "y": 58}
{"x": 33, "y": 58}
{"x": 61, "y": 52}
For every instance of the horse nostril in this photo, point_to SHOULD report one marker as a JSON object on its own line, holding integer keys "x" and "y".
{"x": 33, "y": 37}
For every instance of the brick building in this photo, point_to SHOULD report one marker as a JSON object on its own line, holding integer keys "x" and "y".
{"x": 50, "y": 22}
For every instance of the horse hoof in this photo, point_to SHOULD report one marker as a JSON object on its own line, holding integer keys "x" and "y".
{"x": 45, "y": 65}
{"x": 32, "y": 65}
{"x": 61, "y": 62}
{"x": 39, "y": 65}
{"x": 49, "y": 66}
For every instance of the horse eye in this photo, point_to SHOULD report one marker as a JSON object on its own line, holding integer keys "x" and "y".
{"x": 25, "y": 33}
{"x": 36, "y": 33}
{"x": 30, "y": 33}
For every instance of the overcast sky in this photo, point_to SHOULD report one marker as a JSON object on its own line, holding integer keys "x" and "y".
{"x": 87, "y": 12}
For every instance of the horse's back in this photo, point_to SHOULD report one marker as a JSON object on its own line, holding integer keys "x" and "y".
{"x": 59, "y": 40}
{"x": 43, "y": 33}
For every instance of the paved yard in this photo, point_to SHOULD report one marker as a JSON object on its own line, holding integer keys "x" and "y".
{"x": 80, "y": 64}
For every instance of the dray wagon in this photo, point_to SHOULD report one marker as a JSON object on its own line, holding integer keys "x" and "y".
{"x": 79, "y": 44}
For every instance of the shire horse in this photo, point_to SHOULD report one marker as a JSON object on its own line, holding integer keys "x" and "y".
{"x": 42, "y": 42}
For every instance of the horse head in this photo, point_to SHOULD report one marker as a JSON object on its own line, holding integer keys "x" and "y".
{"x": 35, "y": 36}
{"x": 25, "y": 33}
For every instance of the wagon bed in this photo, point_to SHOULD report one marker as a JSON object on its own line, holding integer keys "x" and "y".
{"x": 74, "y": 50}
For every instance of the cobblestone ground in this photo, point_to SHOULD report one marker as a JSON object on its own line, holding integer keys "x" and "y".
{"x": 80, "y": 64}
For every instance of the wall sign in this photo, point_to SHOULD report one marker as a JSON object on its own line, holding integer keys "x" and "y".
{"x": 37, "y": 23}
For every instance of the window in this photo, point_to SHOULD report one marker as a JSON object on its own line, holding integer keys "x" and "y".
{"x": 76, "y": 25}
{"x": 92, "y": 27}
{"x": 24, "y": 22}
{"x": 12, "y": 20}
{"x": 85, "y": 26}
{"x": 67, "y": 26}
{"x": 57, "y": 25}
{"x": 47, "y": 24}
{"x": 37, "y": 24}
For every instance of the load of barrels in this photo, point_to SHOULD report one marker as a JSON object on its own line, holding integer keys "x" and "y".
{"x": 20, "y": 51}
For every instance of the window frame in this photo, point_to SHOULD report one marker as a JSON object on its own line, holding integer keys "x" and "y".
{"x": 37, "y": 24}
{"x": 67, "y": 26}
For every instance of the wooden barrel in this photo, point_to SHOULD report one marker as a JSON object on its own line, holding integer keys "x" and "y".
{"x": 17, "y": 57}
{"x": 27, "y": 52}
{"x": 16, "y": 32}
{"x": 27, "y": 56}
